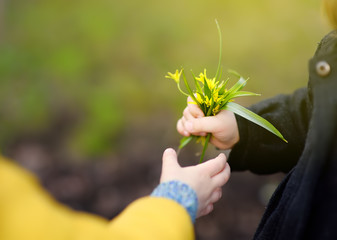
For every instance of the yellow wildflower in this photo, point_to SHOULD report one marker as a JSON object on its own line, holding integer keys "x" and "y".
{"x": 201, "y": 140}
{"x": 175, "y": 76}
{"x": 211, "y": 83}
{"x": 216, "y": 110}
{"x": 202, "y": 77}
{"x": 215, "y": 95}
{"x": 208, "y": 101}
{"x": 199, "y": 98}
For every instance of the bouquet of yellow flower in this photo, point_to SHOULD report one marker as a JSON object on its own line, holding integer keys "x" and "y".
{"x": 212, "y": 96}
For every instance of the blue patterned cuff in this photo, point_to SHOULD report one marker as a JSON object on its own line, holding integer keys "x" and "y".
{"x": 181, "y": 193}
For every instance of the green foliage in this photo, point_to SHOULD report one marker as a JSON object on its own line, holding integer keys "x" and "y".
{"x": 245, "y": 113}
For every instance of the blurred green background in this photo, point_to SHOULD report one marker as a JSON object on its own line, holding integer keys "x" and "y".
{"x": 94, "y": 68}
{"x": 84, "y": 80}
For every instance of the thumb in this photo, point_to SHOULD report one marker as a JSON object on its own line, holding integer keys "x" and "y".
{"x": 214, "y": 166}
{"x": 170, "y": 159}
{"x": 170, "y": 164}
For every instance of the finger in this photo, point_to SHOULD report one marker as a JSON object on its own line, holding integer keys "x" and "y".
{"x": 208, "y": 209}
{"x": 214, "y": 166}
{"x": 216, "y": 195}
{"x": 190, "y": 100}
{"x": 187, "y": 114}
{"x": 194, "y": 109}
{"x": 186, "y": 125}
{"x": 181, "y": 128}
{"x": 221, "y": 178}
{"x": 216, "y": 142}
{"x": 170, "y": 159}
{"x": 204, "y": 124}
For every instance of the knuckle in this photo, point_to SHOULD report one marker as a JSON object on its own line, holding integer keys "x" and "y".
{"x": 183, "y": 121}
{"x": 186, "y": 111}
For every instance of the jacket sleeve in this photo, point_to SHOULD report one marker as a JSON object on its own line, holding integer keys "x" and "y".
{"x": 262, "y": 152}
{"x": 28, "y": 212}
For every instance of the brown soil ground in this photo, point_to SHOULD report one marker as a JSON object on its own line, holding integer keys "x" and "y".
{"x": 106, "y": 186}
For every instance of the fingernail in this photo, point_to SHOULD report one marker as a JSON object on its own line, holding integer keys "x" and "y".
{"x": 189, "y": 126}
{"x": 169, "y": 150}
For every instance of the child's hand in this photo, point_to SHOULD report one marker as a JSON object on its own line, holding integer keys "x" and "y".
{"x": 206, "y": 179}
{"x": 223, "y": 126}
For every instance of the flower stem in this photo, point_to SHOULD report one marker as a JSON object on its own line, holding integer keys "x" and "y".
{"x": 188, "y": 87}
{"x": 182, "y": 90}
{"x": 205, "y": 147}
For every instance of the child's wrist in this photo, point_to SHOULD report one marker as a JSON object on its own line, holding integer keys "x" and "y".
{"x": 181, "y": 193}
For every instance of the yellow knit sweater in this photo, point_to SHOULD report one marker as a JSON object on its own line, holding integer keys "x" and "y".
{"x": 28, "y": 212}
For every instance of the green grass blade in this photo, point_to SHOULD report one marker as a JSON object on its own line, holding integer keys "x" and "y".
{"x": 243, "y": 94}
{"x": 205, "y": 147}
{"x": 184, "y": 141}
{"x": 234, "y": 89}
{"x": 231, "y": 96}
{"x": 209, "y": 112}
{"x": 220, "y": 51}
{"x": 249, "y": 115}
{"x": 207, "y": 91}
{"x": 223, "y": 87}
{"x": 231, "y": 71}
{"x": 238, "y": 85}
{"x": 196, "y": 82}
{"x": 220, "y": 74}
{"x": 188, "y": 88}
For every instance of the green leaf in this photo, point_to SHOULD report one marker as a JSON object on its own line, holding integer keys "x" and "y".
{"x": 238, "y": 85}
{"x": 196, "y": 82}
{"x": 207, "y": 90}
{"x": 188, "y": 88}
{"x": 223, "y": 87}
{"x": 235, "y": 88}
{"x": 205, "y": 147}
{"x": 249, "y": 115}
{"x": 231, "y": 71}
{"x": 209, "y": 112}
{"x": 220, "y": 74}
{"x": 217, "y": 76}
{"x": 231, "y": 96}
{"x": 243, "y": 94}
{"x": 184, "y": 141}
{"x": 202, "y": 106}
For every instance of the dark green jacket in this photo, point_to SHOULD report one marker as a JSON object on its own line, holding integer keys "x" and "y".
{"x": 305, "y": 204}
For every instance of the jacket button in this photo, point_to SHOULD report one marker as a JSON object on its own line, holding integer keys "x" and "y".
{"x": 323, "y": 68}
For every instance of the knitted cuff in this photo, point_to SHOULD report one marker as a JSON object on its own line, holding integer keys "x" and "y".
{"x": 181, "y": 193}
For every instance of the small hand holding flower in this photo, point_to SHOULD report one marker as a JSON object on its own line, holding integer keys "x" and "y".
{"x": 223, "y": 126}
{"x": 211, "y": 96}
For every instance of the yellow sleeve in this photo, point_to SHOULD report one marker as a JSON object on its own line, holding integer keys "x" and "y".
{"x": 153, "y": 218}
{"x": 28, "y": 212}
